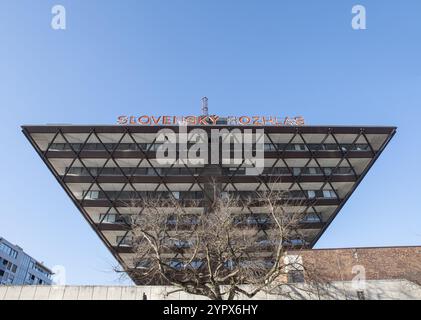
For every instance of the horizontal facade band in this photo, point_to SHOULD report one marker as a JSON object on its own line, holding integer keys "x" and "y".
{"x": 205, "y": 179}
{"x": 203, "y": 203}
{"x": 153, "y": 129}
{"x": 126, "y": 227}
{"x": 151, "y": 154}
{"x": 260, "y": 250}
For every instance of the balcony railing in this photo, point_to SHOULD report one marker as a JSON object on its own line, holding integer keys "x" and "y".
{"x": 154, "y": 146}
{"x": 275, "y": 171}
{"x": 199, "y": 195}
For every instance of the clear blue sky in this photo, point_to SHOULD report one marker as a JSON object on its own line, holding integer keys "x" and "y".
{"x": 161, "y": 56}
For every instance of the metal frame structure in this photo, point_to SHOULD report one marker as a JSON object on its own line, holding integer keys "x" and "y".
{"x": 127, "y": 132}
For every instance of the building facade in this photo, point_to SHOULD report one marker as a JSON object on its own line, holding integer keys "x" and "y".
{"x": 18, "y": 268}
{"x": 103, "y": 167}
{"x": 375, "y": 263}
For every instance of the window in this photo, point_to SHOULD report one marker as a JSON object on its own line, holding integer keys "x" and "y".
{"x": 254, "y": 219}
{"x": 311, "y": 217}
{"x": 8, "y": 250}
{"x": 268, "y": 147}
{"x": 265, "y": 242}
{"x": 328, "y": 194}
{"x": 225, "y": 195}
{"x": 175, "y": 264}
{"x": 10, "y": 279}
{"x": 124, "y": 241}
{"x": 39, "y": 268}
{"x": 344, "y": 170}
{"x": 182, "y": 220}
{"x": 107, "y": 218}
{"x": 122, "y": 218}
{"x": 296, "y": 171}
{"x": 182, "y": 243}
{"x": 196, "y": 264}
{"x": 115, "y": 218}
{"x": 14, "y": 268}
{"x": 176, "y": 194}
{"x": 29, "y": 278}
{"x": 92, "y": 195}
{"x": 152, "y": 172}
{"x": 297, "y": 242}
{"x": 229, "y": 264}
{"x": 311, "y": 194}
{"x": 186, "y": 172}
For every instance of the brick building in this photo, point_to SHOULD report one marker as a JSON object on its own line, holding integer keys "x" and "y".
{"x": 381, "y": 263}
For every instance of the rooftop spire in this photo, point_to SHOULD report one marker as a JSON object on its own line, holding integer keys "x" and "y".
{"x": 205, "y": 106}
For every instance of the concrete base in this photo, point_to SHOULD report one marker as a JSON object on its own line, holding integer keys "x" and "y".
{"x": 372, "y": 290}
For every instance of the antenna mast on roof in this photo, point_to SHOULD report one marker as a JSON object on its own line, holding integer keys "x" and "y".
{"x": 205, "y": 106}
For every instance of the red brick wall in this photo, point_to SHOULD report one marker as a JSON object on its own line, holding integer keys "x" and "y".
{"x": 379, "y": 263}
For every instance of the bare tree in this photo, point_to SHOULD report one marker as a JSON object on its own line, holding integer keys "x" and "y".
{"x": 237, "y": 245}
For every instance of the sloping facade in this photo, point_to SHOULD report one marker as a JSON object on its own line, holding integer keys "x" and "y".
{"x": 101, "y": 167}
